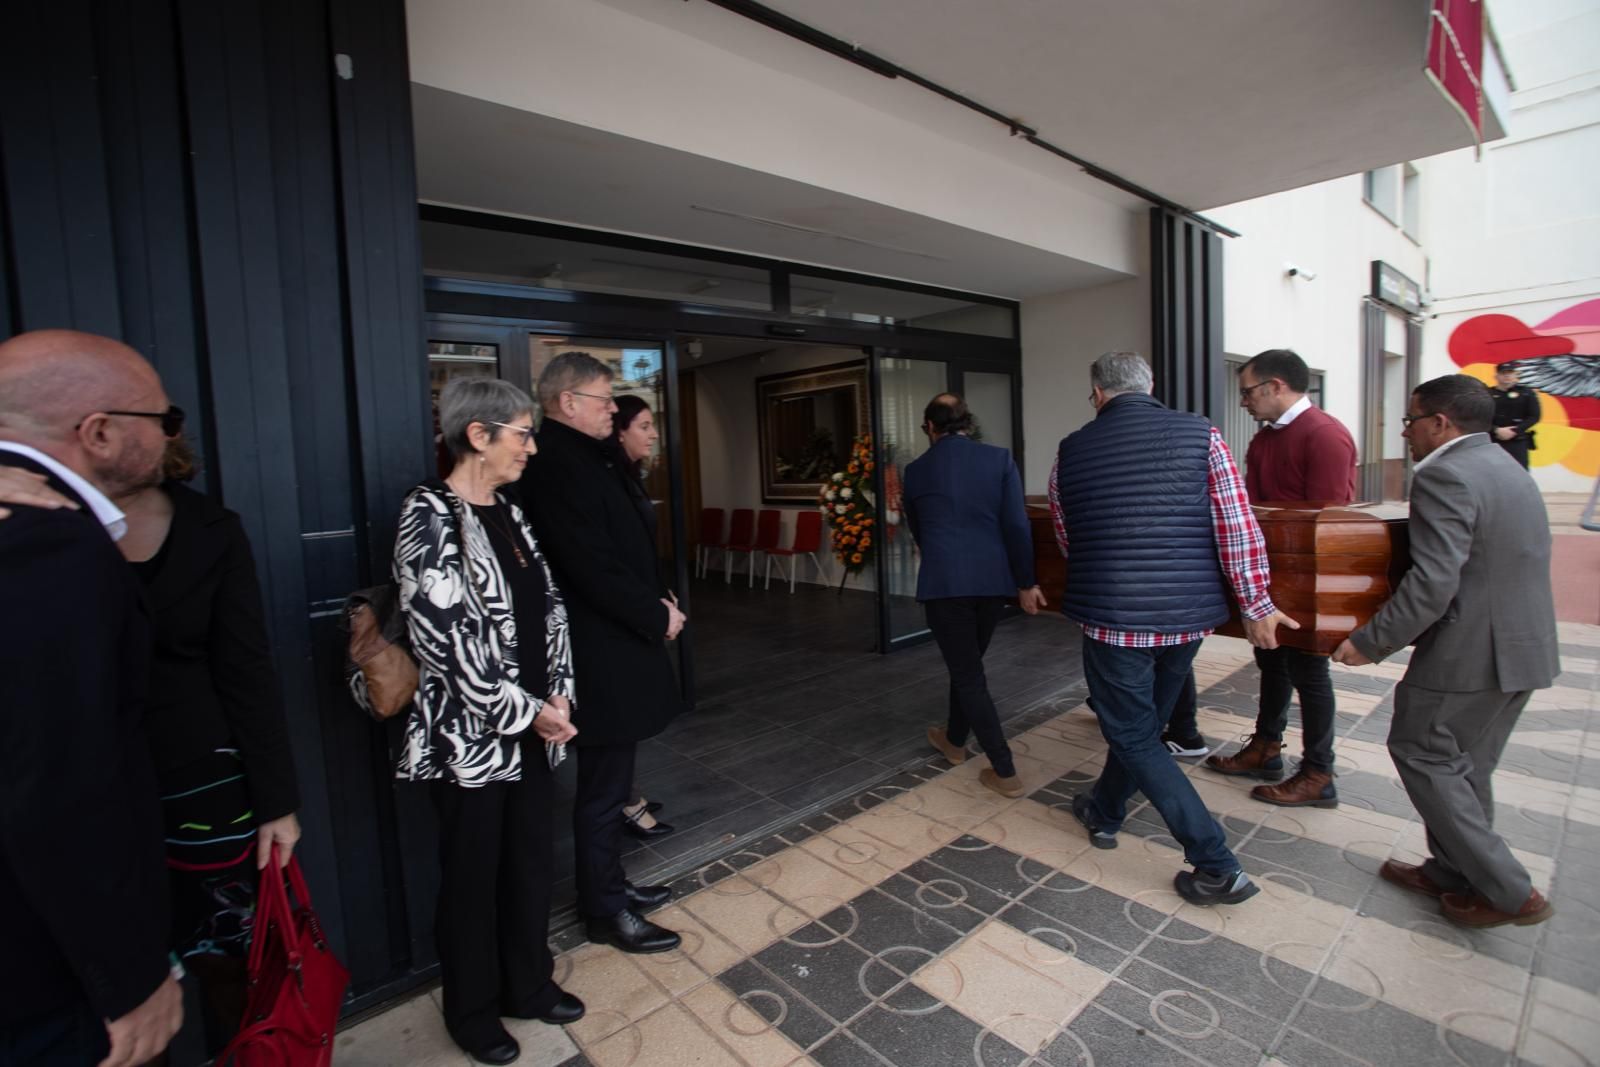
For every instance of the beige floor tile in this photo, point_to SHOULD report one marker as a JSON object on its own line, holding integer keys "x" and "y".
{"x": 817, "y": 885}
{"x": 959, "y": 804}
{"x": 1560, "y": 1034}
{"x": 1282, "y": 911}
{"x": 611, "y": 985}
{"x": 543, "y": 1045}
{"x": 1004, "y": 979}
{"x": 750, "y": 920}
{"x": 1049, "y": 748}
{"x": 668, "y": 1037}
{"x": 894, "y": 824}
{"x": 1335, "y": 826}
{"x": 1032, "y": 829}
{"x": 755, "y": 1041}
{"x": 1426, "y": 973}
{"x": 412, "y": 1033}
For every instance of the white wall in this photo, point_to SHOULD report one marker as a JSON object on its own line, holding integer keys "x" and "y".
{"x": 1062, "y": 335}
{"x": 730, "y": 459}
{"x": 1331, "y": 231}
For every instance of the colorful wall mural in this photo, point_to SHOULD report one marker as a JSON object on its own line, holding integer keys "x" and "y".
{"x": 1560, "y": 357}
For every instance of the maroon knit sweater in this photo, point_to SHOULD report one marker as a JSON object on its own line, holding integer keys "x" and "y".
{"x": 1313, "y": 458}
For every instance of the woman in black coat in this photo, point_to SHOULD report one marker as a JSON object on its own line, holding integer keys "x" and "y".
{"x": 603, "y": 553}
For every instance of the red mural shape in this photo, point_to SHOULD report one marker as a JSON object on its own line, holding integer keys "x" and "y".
{"x": 1548, "y": 355}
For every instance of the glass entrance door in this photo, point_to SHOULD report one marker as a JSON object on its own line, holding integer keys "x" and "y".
{"x": 904, "y": 387}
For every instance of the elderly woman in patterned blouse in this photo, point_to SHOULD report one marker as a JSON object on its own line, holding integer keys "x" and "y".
{"x": 489, "y": 631}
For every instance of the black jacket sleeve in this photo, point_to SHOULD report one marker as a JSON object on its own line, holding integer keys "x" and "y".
{"x": 1014, "y": 525}
{"x": 568, "y": 517}
{"x": 1528, "y": 416}
{"x": 80, "y": 821}
{"x": 247, "y": 684}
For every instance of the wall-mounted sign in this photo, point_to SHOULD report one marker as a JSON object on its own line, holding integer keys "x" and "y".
{"x": 1395, "y": 289}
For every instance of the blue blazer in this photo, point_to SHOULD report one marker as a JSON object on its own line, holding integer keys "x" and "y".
{"x": 963, "y": 503}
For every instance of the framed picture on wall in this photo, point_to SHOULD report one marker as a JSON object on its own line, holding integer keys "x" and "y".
{"x": 806, "y": 421}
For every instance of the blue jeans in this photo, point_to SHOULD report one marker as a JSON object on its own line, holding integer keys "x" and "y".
{"x": 1133, "y": 691}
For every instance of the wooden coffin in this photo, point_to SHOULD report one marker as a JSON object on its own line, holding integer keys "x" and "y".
{"x": 1332, "y": 568}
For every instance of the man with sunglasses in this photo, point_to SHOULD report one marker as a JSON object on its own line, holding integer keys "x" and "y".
{"x": 1478, "y": 605}
{"x": 83, "y": 881}
{"x": 1301, "y": 453}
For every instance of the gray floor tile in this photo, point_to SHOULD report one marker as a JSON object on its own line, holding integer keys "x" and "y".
{"x": 1249, "y": 1026}
{"x": 826, "y": 975}
{"x": 943, "y": 1038}
{"x": 989, "y": 865}
{"x": 1096, "y": 1037}
{"x": 1105, "y": 915}
{"x": 954, "y": 902}
{"x": 1221, "y": 964}
{"x": 776, "y": 1003}
{"x": 842, "y": 1050}
{"x": 841, "y": 779}
{"x": 879, "y": 922}
{"x": 1186, "y": 1018}
{"x": 1375, "y": 1031}
{"x": 1067, "y": 937}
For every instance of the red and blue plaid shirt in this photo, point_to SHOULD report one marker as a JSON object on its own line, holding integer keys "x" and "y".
{"x": 1241, "y": 549}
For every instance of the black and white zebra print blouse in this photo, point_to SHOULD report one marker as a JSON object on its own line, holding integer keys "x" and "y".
{"x": 470, "y": 704}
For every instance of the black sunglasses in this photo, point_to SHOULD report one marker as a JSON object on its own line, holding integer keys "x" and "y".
{"x": 171, "y": 419}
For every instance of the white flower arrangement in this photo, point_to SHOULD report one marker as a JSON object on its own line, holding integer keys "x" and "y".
{"x": 846, "y": 494}
{"x": 830, "y": 495}
{"x": 838, "y": 477}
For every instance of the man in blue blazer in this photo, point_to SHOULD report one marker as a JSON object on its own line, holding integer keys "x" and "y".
{"x": 963, "y": 503}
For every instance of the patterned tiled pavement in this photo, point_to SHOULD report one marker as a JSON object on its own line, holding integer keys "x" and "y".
{"x": 928, "y": 921}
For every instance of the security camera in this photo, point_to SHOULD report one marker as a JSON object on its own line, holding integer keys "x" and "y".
{"x": 1294, "y": 271}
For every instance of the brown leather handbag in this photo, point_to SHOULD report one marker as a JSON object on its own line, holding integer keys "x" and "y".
{"x": 379, "y": 668}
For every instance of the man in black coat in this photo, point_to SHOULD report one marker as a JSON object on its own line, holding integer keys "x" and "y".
{"x": 604, "y": 559}
{"x": 1516, "y": 413}
{"x": 83, "y": 881}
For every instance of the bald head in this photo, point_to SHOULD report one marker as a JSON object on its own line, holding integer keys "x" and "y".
{"x": 56, "y": 390}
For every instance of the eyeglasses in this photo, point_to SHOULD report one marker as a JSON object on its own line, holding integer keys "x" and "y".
{"x": 171, "y": 419}
{"x": 525, "y": 431}
{"x": 1407, "y": 420}
{"x": 607, "y": 397}
{"x": 1245, "y": 391}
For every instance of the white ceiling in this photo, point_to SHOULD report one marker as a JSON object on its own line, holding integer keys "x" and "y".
{"x": 489, "y": 157}
{"x": 1206, "y": 102}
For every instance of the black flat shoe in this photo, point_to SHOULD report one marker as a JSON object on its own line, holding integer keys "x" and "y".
{"x": 644, "y": 897}
{"x": 630, "y": 823}
{"x": 653, "y": 806}
{"x": 569, "y": 1009}
{"x": 631, "y": 932}
{"x": 499, "y": 1053}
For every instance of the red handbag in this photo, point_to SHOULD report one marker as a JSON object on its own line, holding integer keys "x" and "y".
{"x": 296, "y": 983}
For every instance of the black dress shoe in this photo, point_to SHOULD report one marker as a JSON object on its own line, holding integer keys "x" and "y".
{"x": 631, "y": 932}
{"x": 569, "y": 1009}
{"x": 630, "y": 823}
{"x": 644, "y": 897}
{"x": 499, "y": 1053}
{"x": 653, "y": 806}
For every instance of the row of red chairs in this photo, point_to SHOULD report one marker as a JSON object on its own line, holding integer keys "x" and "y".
{"x": 750, "y": 534}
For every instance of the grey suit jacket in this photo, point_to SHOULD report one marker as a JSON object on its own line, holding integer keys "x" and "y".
{"x": 1477, "y": 599}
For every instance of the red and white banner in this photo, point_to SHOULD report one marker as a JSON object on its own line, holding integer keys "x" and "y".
{"x": 1455, "y": 57}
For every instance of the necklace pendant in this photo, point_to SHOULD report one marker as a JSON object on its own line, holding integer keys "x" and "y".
{"x": 521, "y": 559}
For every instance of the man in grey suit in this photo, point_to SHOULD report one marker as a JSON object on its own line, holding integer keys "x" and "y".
{"x": 1477, "y": 603}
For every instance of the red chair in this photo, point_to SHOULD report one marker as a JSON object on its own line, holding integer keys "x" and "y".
{"x": 768, "y": 529}
{"x": 740, "y": 533}
{"x": 710, "y": 538}
{"x": 807, "y": 539}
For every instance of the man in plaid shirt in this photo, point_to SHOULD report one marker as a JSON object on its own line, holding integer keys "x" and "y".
{"x": 1164, "y": 531}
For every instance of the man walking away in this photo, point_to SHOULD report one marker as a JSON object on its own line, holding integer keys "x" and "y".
{"x": 1151, "y": 507}
{"x": 1477, "y": 602}
{"x": 1301, "y": 454}
{"x": 83, "y": 878}
{"x": 963, "y": 503}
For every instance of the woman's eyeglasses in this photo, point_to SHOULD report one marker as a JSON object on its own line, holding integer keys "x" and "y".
{"x": 526, "y": 432}
{"x": 171, "y": 419}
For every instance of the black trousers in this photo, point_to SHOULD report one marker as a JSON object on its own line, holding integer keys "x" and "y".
{"x": 605, "y": 784}
{"x": 962, "y": 626}
{"x": 1284, "y": 672}
{"x": 1517, "y": 447}
{"x": 493, "y": 919}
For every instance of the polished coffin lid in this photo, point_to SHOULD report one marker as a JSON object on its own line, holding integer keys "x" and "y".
{"x": 1332, "y": 567}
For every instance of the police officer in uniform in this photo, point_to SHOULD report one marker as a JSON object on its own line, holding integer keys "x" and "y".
{"x": 1516, "y": 410}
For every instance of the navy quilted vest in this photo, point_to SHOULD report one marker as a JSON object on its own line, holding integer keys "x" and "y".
{"x": 1141, "y": 552}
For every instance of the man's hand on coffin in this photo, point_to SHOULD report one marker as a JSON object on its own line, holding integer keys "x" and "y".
{"x": 1263, "y": 633}
{"x": 1349, "y": 655}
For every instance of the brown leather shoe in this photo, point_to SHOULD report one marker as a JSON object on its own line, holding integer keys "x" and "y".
{"x": 1410, "y": 876}
{"x": 1260, "y": 758}
{"x": 1006, "y": 787}
{"x": 953, "y": 753}
{"x": 1308, "y": 788}
{"x": 1469, "y": 909}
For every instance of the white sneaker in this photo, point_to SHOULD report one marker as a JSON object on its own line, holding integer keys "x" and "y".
{"x": 1190, "y": 747}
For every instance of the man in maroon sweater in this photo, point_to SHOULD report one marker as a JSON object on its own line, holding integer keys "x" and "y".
{"x": 1301, "y": 453}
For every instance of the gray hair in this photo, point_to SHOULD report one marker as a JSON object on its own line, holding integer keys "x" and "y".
{"x": 1121, "y": 372}
{"x": 567, "y": 372}
{"x": 465, "y": 401}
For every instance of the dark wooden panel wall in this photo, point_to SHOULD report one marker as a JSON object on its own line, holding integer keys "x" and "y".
{"x": 1186, "y": 315}
{"x": 210, "y": 183}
